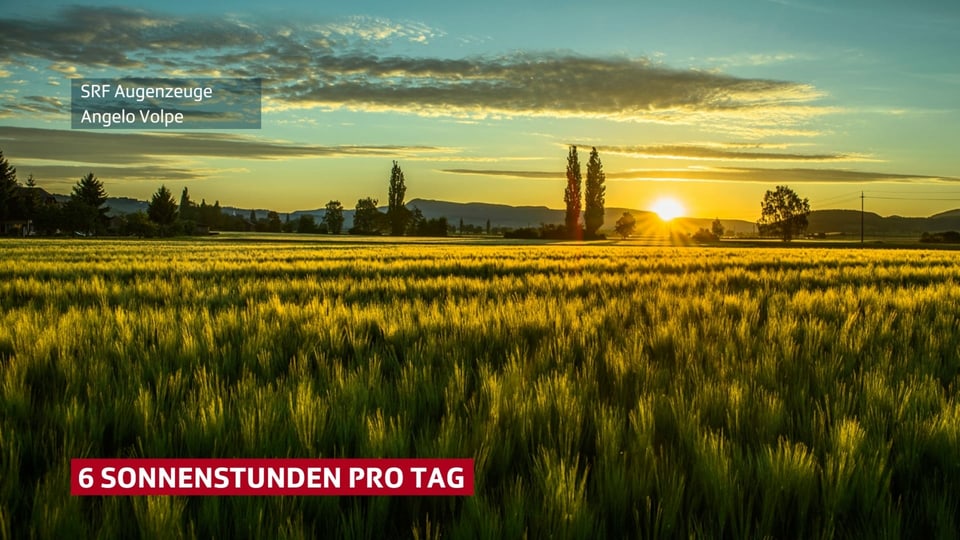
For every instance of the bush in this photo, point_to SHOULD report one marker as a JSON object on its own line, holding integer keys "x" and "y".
{"x": 523, "y": 233}
{"x": 704, "y": 236}
{"x": 948, "y": 237}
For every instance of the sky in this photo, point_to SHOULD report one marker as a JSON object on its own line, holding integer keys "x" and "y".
{"x": 710, "y": 103}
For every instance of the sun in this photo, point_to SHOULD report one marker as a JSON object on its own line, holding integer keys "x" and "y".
{"x": 668, "y": 208}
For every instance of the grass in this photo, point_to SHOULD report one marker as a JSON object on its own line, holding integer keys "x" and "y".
{"x": 604, "y": 391}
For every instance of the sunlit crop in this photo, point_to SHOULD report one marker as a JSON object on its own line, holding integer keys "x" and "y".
{"x": 603, "y": 390}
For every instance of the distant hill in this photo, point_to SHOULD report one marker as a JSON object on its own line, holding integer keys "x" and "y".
{"x": 955, "y": 213}
{"x": 848, "y": 222}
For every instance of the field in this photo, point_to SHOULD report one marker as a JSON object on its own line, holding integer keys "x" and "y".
{"x": 604, "y": 391}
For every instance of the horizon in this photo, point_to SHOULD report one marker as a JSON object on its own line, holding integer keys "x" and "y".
{"x": 704, "y": 104}
{"x": 608, "y": 208}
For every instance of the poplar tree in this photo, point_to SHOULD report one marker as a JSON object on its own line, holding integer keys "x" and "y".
{"x": 594, "y": 195}
{"x": 397, "y": 213}
{"x": 571, "y": 196}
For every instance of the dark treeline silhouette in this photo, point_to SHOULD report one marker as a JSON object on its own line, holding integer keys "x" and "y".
{"x": 27, "y": 210}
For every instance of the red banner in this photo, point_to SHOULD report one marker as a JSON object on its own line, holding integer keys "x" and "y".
{"x": 244, "y": 476}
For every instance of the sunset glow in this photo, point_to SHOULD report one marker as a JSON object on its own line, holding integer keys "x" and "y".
{"x": 668, "y": 208}
{"x": 721, "y": 101}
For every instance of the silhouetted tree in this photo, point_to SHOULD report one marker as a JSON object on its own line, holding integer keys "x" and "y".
{"x": 163, "y": 210}
{"x": 306, "y": 224}
{"x": 717, "y": 228}
{"x": 704, "y": 236}
{"x": 333, "y": 217}
{"x": 783, "y": 213}
{"x": 367, "y": 219}
{"x": 273, "y": 222}
{"x": 594, "y": 195}
{"x": 397, "y": 213}
{"x": 433, "y": 227}
{"x": 188, "y": 208}
{"x": 626, "y": 225}
{"x": 571, "y": 196}
{"x": 415, "y": 224}
{"x": 31, "y": 183}
{"x": 9, "y": 189}
{"x": 139, "y": 224}
{"x": 488, "y": 226}
{"x": 88, "y": 192}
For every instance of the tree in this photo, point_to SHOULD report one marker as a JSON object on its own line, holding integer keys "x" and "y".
{"x": 626, "y": 225}
{"x": 89, "y": 190}
{"x": 31, "y": 183}
{"x": 704, "y": 236}
{"x": 9, "y": 189}
{"x": 433, "y": 227}
{"x": 139, "y": 224}
{"x": 306, "y": 224}
{"x": 333, "y": 217}
{"x": 162, "y": 209}
{"x": 571, "y": 196}
{"x": 397, "y": 213}
{"x": 783, "y": 213}
{"x": 415, "y": 224}
{"x": 367, "y": 219}
{"x": 594, "y": 195}
{"x": 273, "y": 222}
{"x": 717, "y": 228}
{"x": 89, "y": 193}
{"x": 188, "y": 208}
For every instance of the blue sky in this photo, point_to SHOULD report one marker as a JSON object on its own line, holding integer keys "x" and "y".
{"x": 710, "y": 103}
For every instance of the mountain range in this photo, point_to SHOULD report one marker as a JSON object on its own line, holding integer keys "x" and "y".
{"x": 829, "y": 222}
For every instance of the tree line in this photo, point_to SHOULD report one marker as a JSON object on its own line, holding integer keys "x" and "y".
{"x": 28, "y": 209}
{"x": 783, "y": 212}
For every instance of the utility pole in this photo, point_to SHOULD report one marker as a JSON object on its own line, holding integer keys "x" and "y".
{"x": 861, "y": 218}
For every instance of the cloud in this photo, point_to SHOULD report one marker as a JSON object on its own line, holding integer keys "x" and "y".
{"x": 348, "y": 65}
{"x": 726, "y": 152}
{"x": 110, "y": 36}
{"x": 726, "y": 174}
{"x": 33, "y": 105}
{"x": 754, "y": 59}
{"x": 111, "y": 147}
{"x": 554, "y": 85}
{"x": 67, "y": 175}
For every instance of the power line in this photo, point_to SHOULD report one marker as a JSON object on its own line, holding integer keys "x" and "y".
{"x": 913, "y": 198}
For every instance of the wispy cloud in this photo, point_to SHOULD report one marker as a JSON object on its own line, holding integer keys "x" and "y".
{"x": 347, "y": 65}
{"x": 728, "y": 152}
{"x": 58, "y": 155}
{"x": 124, "y": 147}
{"x": 59, "y": 177}
{"x": 753, "y": 59}
{"x": 726, "y": 174}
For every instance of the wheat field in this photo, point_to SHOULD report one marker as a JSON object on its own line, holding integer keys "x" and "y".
{"x": 603, "y": 390}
